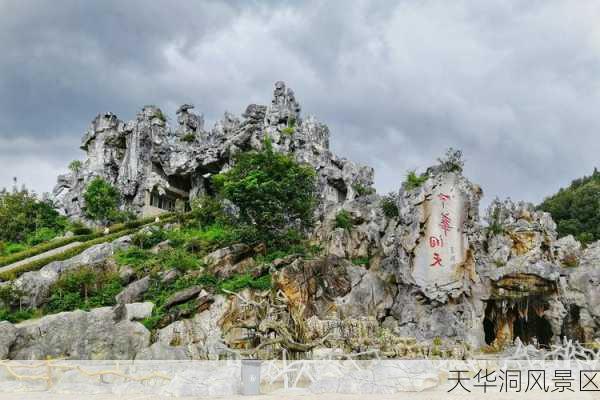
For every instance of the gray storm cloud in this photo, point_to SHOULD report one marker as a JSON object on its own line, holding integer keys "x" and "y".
{"x": 514, "y": 84}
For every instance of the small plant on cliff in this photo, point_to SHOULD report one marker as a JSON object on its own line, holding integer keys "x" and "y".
{"x": 288, "y": 130}
{"x": 189, "y": 137}
{"x": 75, "y": 166}
{"x": 388, "y": 205}
{"x": 362, "y": 190}
{"x": 452, "y": 161}
{"x": 101, "y": 200}
{"x": 343, "y": 220}
{"x": 272, "y": 192}
{"x": 160, "y": 115}
{"x": 413, "y": 180}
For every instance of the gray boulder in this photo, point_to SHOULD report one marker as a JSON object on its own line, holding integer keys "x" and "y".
{"x": 134, "y": 291}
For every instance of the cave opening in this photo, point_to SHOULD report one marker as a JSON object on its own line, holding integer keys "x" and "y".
{"x": 509, "y": 318}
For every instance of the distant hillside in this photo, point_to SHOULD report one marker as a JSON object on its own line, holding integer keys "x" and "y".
{"x": 576, "y": 209}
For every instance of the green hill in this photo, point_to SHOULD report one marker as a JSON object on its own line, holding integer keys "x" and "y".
{"x": 576, "y": 209}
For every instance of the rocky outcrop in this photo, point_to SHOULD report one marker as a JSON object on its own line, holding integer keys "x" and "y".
{"x": 146, "y": 155}
{"x": 93, "y": 335}
{"x": 431, "y": 270}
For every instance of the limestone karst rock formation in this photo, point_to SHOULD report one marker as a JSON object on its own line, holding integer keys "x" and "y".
{"x": 398, "y": 284}
{"x": 154, "y": 166}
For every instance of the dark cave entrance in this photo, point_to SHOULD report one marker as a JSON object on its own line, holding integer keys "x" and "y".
{"x": 510, "y": 318}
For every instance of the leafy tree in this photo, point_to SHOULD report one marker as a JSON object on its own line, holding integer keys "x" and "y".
{"x": 75, "y": 166}
{"x": 576, "y": 209}
{"x": 101, "y": 200}
{"x": 271, "y": 190}
{"x": 22, "y": 213}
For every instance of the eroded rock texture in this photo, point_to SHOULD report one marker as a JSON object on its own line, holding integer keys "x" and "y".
{"x": 155, "y": 165}
{"x": 433, "y": 280}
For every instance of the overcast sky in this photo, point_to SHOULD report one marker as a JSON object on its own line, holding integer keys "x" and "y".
{"x": 514, "y": 84}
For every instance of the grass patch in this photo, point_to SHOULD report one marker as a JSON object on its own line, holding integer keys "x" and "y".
{"x": 239, "y": 282}
{"x": 343, "y": 220}
{"x": 363, "y": 261}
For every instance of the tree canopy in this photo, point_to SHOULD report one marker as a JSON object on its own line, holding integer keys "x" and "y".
{"x": 22, "y": 213}
{"x": 272, "y": 191}
{"x": 101, "y": 200}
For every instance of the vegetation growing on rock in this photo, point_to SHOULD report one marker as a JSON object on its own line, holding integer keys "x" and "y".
{"x": 272, "y": 192}
{"x": 413, "y": 180}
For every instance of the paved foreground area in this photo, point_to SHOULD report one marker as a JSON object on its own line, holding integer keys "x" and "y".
{"x": 397, "y": 396}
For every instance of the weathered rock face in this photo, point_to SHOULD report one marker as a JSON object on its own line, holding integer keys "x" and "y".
{"x": 432, "y": 271}
{"x": 146, "y": 159}
{"x": 93, "y": 335}
{"x": 439, "y": 219}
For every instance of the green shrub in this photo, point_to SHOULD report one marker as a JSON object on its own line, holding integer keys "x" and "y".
{"x": 75, "y": 166}
{"x": 132, "y": 256}
{"x": 83, "y": 289}
{"x": 101, "y": 200}
{"x": 452, "y": 161}
{"x": 78, "y": 228}
{"x": 178, "y": 259}
{"x": 189, "y": 138}
{"x": 121, "y": 217}
{"x": 147, "y": 240}
{"x": 388, "y": 205}
{"x": 362, "y": 190}
{"x": 14, "y": 248}
{"x": 18, "y": 315}
{"x": 40, "y": 236}
{"x": 207, "y": 210}
{"x": 288, "y": 130}
{"x": 495, "y": 226}
{"x": 194, "y": 245}
{"x": 413, "y": 180}
{"x": 160, "y": 115}
{"x": 271, "y": 190}
{"x": 343, "y": 219}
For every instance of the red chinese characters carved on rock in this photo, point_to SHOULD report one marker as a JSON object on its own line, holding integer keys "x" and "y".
{"x": 445, "y": 224}
{"x": 437, "y": 260}
{"x": 435, "y": 241}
